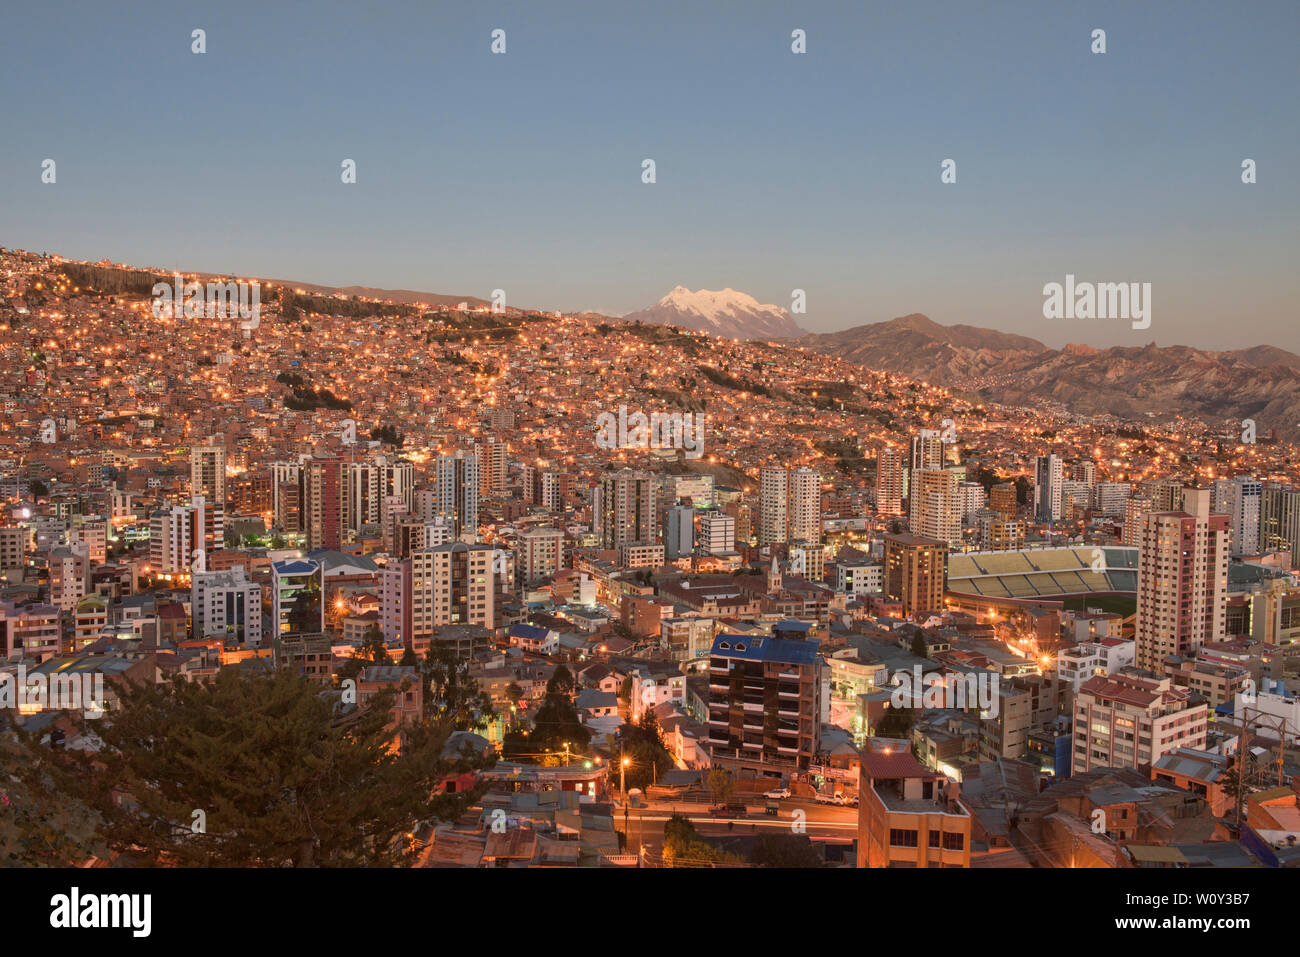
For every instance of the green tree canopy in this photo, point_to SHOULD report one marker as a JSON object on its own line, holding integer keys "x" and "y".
{"x": 451, "y": 693}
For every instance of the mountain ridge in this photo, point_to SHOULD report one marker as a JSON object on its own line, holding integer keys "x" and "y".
{"x": 725, "y": 312}
{"x": 1260, "y": 383}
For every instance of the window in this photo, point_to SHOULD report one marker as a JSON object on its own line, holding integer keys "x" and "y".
{"x": 902, "y": 838}
{"x": 953, "y": 841}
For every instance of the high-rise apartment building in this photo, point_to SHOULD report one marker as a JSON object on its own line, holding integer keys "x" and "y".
{"x": 286, "y": 495}
{"x": 93, "y": 533}
{"x": 1182, "y": 581}
{"x": 773, "y": 505}
{"x": 624, "y": 508}
{"x": 367, "y": 485}
{"x": 1048, "y": 476}
{"x": 491, "y": 467}
{"x": 1003, "y": 499}
{"x": 935, "y": 505}
{"x": 916, "y": 572}
{"x": 927, "y": 450}
{"x": 804, "y": 489}
{"x": 889, "y": 481}
{"x": 972, "y": 498}
{"x": 1109, "y": 497}
{"x": 1166, "y": 495}
{"x": 69, "y": 569}
{"x": 1135, "y": 506}
{"x": 555, "y": 487}
{"x": 744, "y": 516}
{"x": 679, "y": 531}
{"x": 1241, "y": 499}
{"x": 458, "y": 493}
{"x": 764, "y": 704}
{"x": 926, "y": 454}
{"x": 13, "y": 546}
{"x": 445, "y": 585}
{"x": 1279, "y": 523}
{"x": 208, "y": 472}
{"x": 790, "y": 506}
{"x": 540, "y": 554}
{"x": 178, "y": 533}
{"x": 321, "y": 500}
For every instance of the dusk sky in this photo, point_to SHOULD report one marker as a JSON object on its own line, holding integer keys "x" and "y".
{"x": 775, "y": 171}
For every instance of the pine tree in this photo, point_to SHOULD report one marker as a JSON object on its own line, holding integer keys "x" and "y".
{"x": 258, "y": 771}
{"x": 40, "y": 825}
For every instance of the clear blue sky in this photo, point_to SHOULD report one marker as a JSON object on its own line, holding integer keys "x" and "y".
{"x": 775, "y": 171}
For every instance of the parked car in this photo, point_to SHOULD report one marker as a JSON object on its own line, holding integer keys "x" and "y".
{"x": 777, "y": 793}
{"x": 733, "y": 809}
{"x": 838, "y": 798}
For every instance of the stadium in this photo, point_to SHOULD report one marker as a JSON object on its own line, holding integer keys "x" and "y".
{"x": 979, "y": 581}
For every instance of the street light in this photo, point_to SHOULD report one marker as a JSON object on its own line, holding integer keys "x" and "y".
{"x": 622, "y": 786}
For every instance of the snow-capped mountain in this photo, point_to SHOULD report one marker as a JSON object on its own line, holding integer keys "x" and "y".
{"x": 725, "y": 313}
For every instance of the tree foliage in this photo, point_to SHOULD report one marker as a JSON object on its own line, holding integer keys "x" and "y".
{"x": 40, "y": 825}
{"x": 784, "y": 850}
{"x": 555, "y": 723}
{"x": 683, "y": 846}
{"x": 451, "y": 694}
{"x": 257, "y": 770}
{"x": 721, "y": 785}
{"x": 373, "y": 650}
{"x": 643, "y": 745}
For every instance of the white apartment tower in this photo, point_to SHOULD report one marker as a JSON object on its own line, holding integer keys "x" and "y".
{"x": 458, "y": 493}
{"x": 804, "y": 489}
{"x": 774, "y": 506}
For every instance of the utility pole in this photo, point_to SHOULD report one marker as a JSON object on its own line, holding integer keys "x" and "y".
{"x": 1260, "y": 718}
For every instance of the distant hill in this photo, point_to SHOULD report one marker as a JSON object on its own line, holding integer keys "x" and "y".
{"x": 409, "y": 296}
{"x": 1261, "y": 383}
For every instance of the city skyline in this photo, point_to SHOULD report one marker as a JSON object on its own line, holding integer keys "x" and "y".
{"x": 605, "y": 437}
